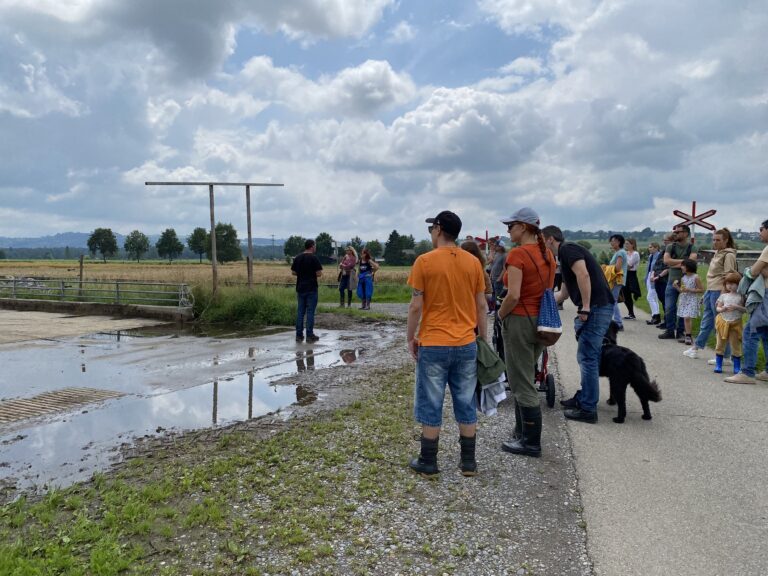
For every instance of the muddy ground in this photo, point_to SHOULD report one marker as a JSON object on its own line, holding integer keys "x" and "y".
{"x": 518, "y": 516}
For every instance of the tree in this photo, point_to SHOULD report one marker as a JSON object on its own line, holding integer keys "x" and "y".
{"x": 585, "y": 243}
{"x": 2, "y": 254}
{"x": 168, "y": 246}
{"x": 374, "y": 247}
{"x": 227, "y": 245}
{"x": 393, "y": 251}
{"x": 136, "y": 244}
{"x": 324, "y": 243}
{"x": 293, "y": 246}
{"x": 423, "y": 246}
{"x": 198, "y": 242}
{"x": 357, "y": 244}
{"x": 102, "y": 240}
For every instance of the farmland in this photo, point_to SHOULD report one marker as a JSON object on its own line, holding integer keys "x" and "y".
{"x": 188, "y": 272}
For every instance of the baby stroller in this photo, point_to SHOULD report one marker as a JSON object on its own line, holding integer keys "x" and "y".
{"x": 544, "y": 381}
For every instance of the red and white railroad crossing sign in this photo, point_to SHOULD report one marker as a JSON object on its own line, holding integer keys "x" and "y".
{"x": 694, "y": 219}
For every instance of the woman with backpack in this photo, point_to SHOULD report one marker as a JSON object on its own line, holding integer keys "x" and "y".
{"x": 530, "y": 271}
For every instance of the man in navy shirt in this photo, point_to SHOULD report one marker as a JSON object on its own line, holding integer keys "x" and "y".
{"x": 584, "y": 282}
{"x": 307, "y": 269}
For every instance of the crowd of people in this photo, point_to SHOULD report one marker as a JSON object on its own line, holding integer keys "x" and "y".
{"x": 453, "y": 293}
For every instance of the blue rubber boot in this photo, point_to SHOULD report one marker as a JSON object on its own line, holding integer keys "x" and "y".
{"x": 718, "y": 364}
{"x": 736, "y": 364}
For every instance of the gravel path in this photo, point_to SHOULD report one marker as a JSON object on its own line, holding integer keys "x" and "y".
{"x": 518, "y": 516}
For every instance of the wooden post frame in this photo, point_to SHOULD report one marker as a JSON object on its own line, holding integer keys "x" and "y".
{"x": 210, "y": 185}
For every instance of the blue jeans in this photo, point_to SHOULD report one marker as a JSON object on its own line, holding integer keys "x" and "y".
{"x": 751, "y": 340}
{"x": 590, "y": 335}
{"x": 441, "y": 365}
{"x": 708, "y": 320}
{"x": 616, "y": 312}
{"x": 671, "y": 321}
{"x": 307, "y": 302}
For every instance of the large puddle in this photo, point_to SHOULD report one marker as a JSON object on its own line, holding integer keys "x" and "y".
{"x": 169, "y": 380}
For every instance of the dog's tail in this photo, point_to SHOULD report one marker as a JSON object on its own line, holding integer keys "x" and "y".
{"x": 654, "y": 392}
{"x": 644, "y": 386}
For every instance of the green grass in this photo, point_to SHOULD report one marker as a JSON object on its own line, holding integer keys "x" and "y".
{"x": 276, "y": 305}
{"x": 292, "y": 496}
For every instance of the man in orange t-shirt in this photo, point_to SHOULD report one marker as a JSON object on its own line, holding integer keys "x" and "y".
{"x": 449, "y": 299}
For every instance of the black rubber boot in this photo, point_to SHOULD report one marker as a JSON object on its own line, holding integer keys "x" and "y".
{"x": 468, "y": 464}
{"x": 530, "y": 443}
{"x": 518, "y": 432}
{"x": 426, "y": 463}
{"x": 341, "y": 299}
{"x": 349, "y": 299}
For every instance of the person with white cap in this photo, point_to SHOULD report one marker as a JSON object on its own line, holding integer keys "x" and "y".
{"x": 530, "y": 271}
{"x": 447, "y": 304}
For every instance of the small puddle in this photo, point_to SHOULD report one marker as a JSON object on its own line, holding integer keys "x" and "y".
{"x": 172, "y": 381}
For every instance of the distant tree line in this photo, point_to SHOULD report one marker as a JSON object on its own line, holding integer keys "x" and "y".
{"x": 398, "y": 250}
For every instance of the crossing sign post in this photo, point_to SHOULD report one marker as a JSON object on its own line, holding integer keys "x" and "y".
{"x": 694, "y": 219}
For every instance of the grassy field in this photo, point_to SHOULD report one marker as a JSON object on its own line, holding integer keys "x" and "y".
{"x": 188, "y": 272}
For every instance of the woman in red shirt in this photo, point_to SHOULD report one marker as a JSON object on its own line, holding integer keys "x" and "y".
{"x": 530, "y": 270}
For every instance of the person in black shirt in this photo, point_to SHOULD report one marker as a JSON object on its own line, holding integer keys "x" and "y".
{"x": 307, "y": 269}
{"x": 584, "y": 282}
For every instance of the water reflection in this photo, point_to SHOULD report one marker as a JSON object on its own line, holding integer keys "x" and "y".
{"x": 169, "y": 382}
{"x": 73, "y": 447}
{"x": 305, "y": 360}
{"x": 348, "y": 356}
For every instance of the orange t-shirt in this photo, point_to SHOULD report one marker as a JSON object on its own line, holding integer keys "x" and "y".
{"x": 535, "y": 271}
{"x": 450, "y": 279}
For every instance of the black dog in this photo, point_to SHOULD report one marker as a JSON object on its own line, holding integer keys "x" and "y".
{"x": 623, "y": 367}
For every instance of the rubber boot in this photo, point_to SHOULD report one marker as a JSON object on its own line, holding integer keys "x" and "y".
{"x": 349, "y": 299}
{"x": 718, "y": 364}
{"x": 468, "y": 464}
{"x": 518, "y": 432}
{"x": 530, "y": 443}
{"x": 341, "y": 299}
{"x": 426, "y": 463}
{"x": 736, "y": 364}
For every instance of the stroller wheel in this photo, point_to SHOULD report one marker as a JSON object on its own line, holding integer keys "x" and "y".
{"x": 550, "y": 383}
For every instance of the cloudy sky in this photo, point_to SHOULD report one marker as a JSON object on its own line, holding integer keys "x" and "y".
{"x": 375, "y": 114}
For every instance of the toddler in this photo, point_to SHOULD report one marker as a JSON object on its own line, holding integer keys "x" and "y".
{"x": 689, "y": 287}
{"x": 728, "y": 324}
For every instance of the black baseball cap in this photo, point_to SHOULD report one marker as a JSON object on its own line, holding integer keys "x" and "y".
{"x": 448, "y": 222}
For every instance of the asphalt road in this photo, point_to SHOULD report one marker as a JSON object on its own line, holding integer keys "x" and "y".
{"x": 683, "y": 494}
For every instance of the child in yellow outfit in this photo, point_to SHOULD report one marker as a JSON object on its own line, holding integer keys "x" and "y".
{"x": 728, "y": 324}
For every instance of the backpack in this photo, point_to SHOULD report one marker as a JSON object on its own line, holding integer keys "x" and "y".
{"x": 549, "y": 328}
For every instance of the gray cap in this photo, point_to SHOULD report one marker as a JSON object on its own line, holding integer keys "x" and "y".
{"x": 527, "y": 215}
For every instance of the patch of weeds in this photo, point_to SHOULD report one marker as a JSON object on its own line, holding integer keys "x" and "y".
{"x": 460, "y": 551}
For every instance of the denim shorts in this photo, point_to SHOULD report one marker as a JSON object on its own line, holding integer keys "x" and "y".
{"x": 437, "y": 366}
